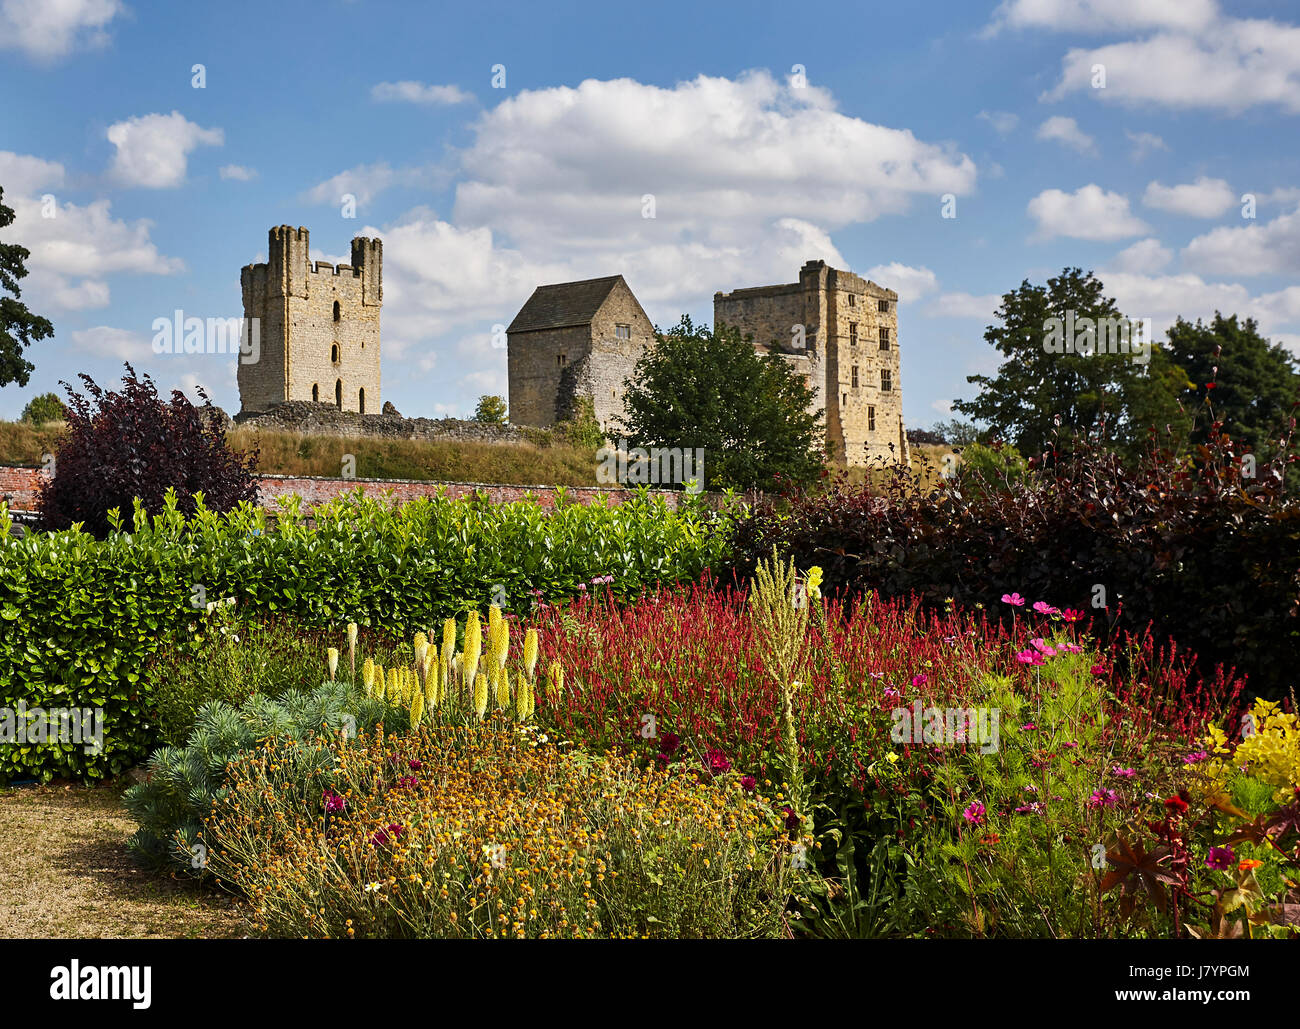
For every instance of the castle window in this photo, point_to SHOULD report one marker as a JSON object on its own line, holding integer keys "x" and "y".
{"x": 882, "y": 306}
{"x": 361, "y": 400}
{"x": 623, "y": 331}
{"x": 338, "y": 311}
{"x": 338, "y": 394}
{"x": 884, "y": 338}
{"x": 853, "y": 334}
{"x": 315, "y": 393}
{"x": 334, "y": 354}
{"x": 845, "y": 401}
{"x": 886, "y": 380}
{"x": 855, "y": 376}
{"x": 561, "y": 360}
{"x": 871, "y": 419}
{"x": 853, "y": 300}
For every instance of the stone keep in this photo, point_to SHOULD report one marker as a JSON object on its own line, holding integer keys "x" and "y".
{"x": 573, "y": 341}
{"x": 318, "y": 326}
{"x": 840, "y": 332}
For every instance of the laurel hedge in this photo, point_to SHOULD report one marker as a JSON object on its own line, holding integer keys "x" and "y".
{"x": 80, "y": 617}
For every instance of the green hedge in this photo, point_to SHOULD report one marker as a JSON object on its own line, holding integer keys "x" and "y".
{"x": 79, "y": 617}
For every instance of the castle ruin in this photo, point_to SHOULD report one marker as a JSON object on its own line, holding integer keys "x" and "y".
{"x": 319, "y": 326}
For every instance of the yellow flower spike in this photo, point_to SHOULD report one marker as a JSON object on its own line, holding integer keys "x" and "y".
{"x": 417, "y": 709}
{"x": 502, "y": 642}
{"x": 503, "y": 690}
{"x": 530, "y": 651}
{"x": 394, "y": 692}
{"x": 555, "y": 685}
{"x": 448, "y": 641}
{"x": 421, "y": 648}
{"x": 430, "y": 681}
{"x": 523, "y": 698}
{"x": 480, "y": 695}
{"x": 352, "y": 647}
{"x": 332, "y": 659}
{"x": 368, "y": 676}
{"x": 381, "y": 682}
{"x": 494, "y": 620}
{"x": 473, "y": 646}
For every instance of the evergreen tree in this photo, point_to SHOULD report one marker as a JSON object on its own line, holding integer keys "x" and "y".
{"x": 19, "y": 328}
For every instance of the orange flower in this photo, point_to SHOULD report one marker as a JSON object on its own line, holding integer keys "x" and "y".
{"x": 1248, "y": 865}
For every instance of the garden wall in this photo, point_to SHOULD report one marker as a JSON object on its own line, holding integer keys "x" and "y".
{"x": 18, "y": 487}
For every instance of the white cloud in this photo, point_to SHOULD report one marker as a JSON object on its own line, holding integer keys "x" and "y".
{"x": 1234, "y": 65}
{"x": 73, "y": 248}
{"x": 1088, "y": 213}
{"x": 367, "y": 181}
{"x": 153, "y": 150}
{"x": 106, "y": 341}
{"x": 47, "y": 29}
{"x": 1004, "y": 122}
{"x": 1067, "y": 132}
{"x": 419, "y": 93}
{"x": 1104, "y": 15}
{"x": 909, "y": 283}
{"x": 1146, "y": 255}
{"x": 237, "y": 172}
{"x": 726, "y": 157}
{"x": 1268, "y": 249}
{"x": 1204, "y": 198}
{"x": 964, "y": 305}
{"x": 1145, "y": 143}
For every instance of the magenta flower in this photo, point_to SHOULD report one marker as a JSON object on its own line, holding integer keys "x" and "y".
{"x": 1014, "y": 599}
{"x": 406, "y": 782}
{"x": 415, "y": 766}
{"x": 1071, "y": 615}
{"x": 1028, "y": 726}
{"x": 1029, "y": 657}
{"x": 1043, "y": 647}
{"x": 748, "y": 783}
{"x": 892, "y": 693}
{"x": 791, "y": 819}
{"x": 1103, "y": 798}
{"x": 671, "y": 743}
{"x": 1196, "y": 758}
{"x": 1123, "y": 773}
{"x": 1221, "y": 859}
{"x": 1098, "y": 669}
{"x": 974, "y": 813}
{"x": 333, "y": 802}
{"x": 920, "y": 680}
{"x": 716, "y": 762}
{"x": 1044, "y": 608}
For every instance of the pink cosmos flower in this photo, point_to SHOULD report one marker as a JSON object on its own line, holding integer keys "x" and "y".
{"x": 1071, "y": 615}
{"x": 1123, "y": 773}
{"x": 974, "y": 813}
{"x": 1221, "y": 858}
{"x": 1043, "y": 647}
{"x": 1196, "y": 758}
{"x": 1029, "y": 657}
{"x": 1103, "y": 798}
{"x": 920, "y": 680}
{"x": 1044, "y": 608}
{"x": 1015, "y": 599}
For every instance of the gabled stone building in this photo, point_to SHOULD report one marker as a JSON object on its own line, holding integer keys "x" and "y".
{"x": 318, "y": 325}
{"x": 575, "y": 340}
{"x": 840, "y": 332}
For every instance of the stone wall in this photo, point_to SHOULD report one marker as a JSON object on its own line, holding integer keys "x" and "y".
{"x": 327, "y": 420}
{"x": 18, "y": 488}
{"x": 536, "y": 373}
{"x": 612, "y": 359}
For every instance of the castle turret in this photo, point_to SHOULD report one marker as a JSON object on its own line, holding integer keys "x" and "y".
{"x": 287, "y": 250}
{"x": 368, "y": 262}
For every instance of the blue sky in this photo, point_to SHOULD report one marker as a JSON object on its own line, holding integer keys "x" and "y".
{"x": 162, "y": 191}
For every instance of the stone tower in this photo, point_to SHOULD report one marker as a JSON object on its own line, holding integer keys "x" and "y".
{"x": 840, "y": 332}
{"x": 318, "y": 325}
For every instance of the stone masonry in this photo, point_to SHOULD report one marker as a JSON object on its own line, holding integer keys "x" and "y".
{"x": 840, "y": 332}
{"x": 573, "y": 341}
{"x": 318, "y": 326}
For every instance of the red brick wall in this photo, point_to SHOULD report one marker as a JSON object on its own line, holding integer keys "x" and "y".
{"x": 18, "y": 487}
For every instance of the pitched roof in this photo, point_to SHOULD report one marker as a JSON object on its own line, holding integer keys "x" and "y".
{"x": 564, "y": 304}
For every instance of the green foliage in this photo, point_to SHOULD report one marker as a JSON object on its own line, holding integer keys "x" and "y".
{"x": 580, "y": 428}
{"x": 1098, "y": 393}
{"x": 45, "y": 407}
{"x": 955, "y": 432}
{"x": 491, "y": 410}
{"x": 80, "y": 617}
{"x": 697, "y": 389}
{"x": 232, "y": 659}
{"x": 19, "y": 328}
{"x": 991, "y": 465}
{"x": 184, "y": 781}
